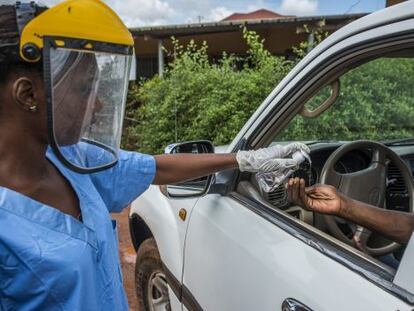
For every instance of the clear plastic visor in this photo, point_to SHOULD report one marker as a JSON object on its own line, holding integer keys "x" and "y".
{"x": 87, "y": 102}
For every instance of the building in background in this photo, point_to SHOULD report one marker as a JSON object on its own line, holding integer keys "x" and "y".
{"x": 259, "y": 14}
{"x": 280, "y": 32}
{"x": 392, "y": 2}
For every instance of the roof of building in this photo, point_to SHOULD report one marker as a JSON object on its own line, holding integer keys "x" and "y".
{"x": 259, "y": 14}
{"x": 393, "y": 2}
{"x": 227, "y": 26}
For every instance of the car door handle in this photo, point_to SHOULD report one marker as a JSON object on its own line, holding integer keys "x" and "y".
{"x": 291, "y": 304}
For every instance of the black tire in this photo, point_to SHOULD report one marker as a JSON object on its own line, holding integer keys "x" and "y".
{"x": 147, "y": 264}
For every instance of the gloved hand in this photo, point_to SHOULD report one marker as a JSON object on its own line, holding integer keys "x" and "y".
{"x": 272, "y": 159}
{"x": 273, "y": 165}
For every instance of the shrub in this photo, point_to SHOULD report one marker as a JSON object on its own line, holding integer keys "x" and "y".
{"x": 198, "y": 99}
{"x": 375, "y": 102}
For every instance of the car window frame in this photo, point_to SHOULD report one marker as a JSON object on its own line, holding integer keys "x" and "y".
{"x": 291, "y": 104}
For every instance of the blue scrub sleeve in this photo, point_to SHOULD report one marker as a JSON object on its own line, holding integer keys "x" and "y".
{"x": 128, "y": 179}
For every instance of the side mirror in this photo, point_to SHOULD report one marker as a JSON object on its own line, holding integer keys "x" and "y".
{"x": 191, "y": 188}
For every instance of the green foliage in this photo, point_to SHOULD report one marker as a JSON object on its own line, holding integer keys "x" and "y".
{"x": 375, "y": 102}
{"x": 198, "y": 99}
{"x": 318, "y": 36}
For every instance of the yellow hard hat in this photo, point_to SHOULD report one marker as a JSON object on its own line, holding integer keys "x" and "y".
{"x": 90, "y": 20}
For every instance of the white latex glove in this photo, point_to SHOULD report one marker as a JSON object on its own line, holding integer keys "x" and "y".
{"x": 273, "y": 165}
{"x": 272, "y": 159}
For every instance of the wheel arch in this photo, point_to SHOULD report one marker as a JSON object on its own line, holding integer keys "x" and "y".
{"x": 139, "y": 230}
{"x": 152, "y": 215}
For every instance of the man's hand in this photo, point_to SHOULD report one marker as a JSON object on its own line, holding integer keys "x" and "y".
{"x": 325, "y": 199}
{"x": 319, "y": 198}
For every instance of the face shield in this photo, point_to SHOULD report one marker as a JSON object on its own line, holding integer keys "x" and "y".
{"x": 86, "y": 52}
{"x": 86, "y": 93}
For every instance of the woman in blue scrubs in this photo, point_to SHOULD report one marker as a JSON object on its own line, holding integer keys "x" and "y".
{"x": 60, "y": 173}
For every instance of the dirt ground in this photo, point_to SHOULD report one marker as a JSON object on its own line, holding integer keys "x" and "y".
{"x": 127, "y": 255}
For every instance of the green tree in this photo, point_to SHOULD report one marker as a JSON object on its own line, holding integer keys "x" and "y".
{"x": 198, "y": 99}
{"x": 375, "y": 102}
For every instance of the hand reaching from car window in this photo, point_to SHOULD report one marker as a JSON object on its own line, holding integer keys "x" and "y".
{"x": 319, "y": 198}
{"x": 325, "y": 199}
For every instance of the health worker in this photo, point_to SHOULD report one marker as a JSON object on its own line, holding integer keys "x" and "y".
{"x": 64, "y": 75}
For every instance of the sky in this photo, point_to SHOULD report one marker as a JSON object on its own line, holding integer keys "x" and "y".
{"x": 137, "y": 13}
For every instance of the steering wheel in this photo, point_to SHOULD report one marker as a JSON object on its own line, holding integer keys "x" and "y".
{"x": 367, "y": 185}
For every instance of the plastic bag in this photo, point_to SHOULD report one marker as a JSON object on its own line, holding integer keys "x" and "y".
{"x": 269, "y": 181}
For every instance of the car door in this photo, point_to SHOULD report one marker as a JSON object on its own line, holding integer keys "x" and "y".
{"x": 242, "y": 255}
{"x": 237, "y": 258}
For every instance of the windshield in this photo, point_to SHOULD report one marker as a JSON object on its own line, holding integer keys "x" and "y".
{"x": 376, "y": 102}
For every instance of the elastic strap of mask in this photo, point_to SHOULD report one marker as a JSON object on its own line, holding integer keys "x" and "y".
{"x": 25, "y": 12}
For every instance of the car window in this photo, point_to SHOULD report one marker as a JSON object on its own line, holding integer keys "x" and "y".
{"x": 376, "y": 102}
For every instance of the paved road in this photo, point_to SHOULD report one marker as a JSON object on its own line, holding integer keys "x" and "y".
{"x": 128, "y": 255}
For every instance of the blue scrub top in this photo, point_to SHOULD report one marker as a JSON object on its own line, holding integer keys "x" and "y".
{"x": 51, "y": 261}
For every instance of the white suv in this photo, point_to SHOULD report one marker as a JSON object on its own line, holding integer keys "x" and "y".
{"x": 221, "y": 243}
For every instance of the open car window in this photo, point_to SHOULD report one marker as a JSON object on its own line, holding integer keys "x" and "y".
{"x": 375, "y": 102}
